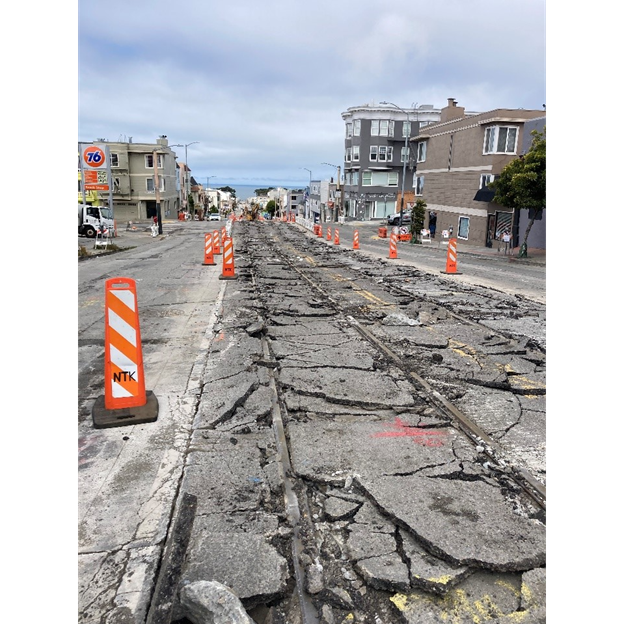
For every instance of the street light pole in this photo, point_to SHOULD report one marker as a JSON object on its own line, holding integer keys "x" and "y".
{"x": 338, "y": 192}
{"x": 309, "y": 193}
{"x": 407, "y": 133}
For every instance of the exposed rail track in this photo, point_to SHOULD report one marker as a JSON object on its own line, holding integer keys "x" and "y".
{"x": 316, "y": 255}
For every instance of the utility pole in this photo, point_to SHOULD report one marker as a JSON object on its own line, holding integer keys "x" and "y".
{"x": 405, "y": 157}
{"x": 339, "y": 193}
{"x": 339, "y": 197}
{"x": 157, "y": 191}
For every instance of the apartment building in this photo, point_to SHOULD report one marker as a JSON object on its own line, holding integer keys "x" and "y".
{"x": 295, "y": 202}
{"x": 458, "y": 157}
{"x": 374, "y": 155}
{"x": 132, "y": 172}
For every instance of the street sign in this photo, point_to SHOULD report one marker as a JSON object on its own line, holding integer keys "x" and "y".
{"x": 94, "y": 157}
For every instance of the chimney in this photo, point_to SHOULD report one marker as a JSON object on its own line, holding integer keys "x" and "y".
{"x": 162, "y": 140}
{"x": 451, "y": 111}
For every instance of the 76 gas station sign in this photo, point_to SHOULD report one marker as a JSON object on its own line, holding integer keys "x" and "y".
{"x": 95, "y": 168}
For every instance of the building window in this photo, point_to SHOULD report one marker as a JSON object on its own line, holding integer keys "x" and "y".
{"x": 356, "y": 127}
{"x": 464, "y": 228}
{"x": 348, "y": 155}
{"x": 356, "y": 153}
{"x": 116, "y": 185}
{"x": 419, "y": 184}
{"x": 149, "y": 161}
{"x": 421, "y": 151}
{"x": 385, "y": 153}
{"x": 405, "y": 154}
{"x": 373, "y": 153}
{"x": 114, "y": 160}
{"x": 407, "y": 129}
{"x": 150, "y": 184}
{"x": 355, "y": 177}
{"x": 500, "y": 140}
{"x": 380, "y": 178}
{"x": 486, "y": 178}
{"x": 375, "y": 127}
{"x": 349, "y": 130}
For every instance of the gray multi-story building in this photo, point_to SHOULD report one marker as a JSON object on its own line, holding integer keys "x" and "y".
{"x": 374, "y": 155}
{"x": 132, "y": 172}
{"x": 295, "y": 202}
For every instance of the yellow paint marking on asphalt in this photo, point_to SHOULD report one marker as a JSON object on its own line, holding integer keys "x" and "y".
{"x": 529, "y": 384}
{"x": 373, "y": 298}
{"x": 457, "y": 608}
{"x": 310, "y": 260}
{"x": 92, "y": 301}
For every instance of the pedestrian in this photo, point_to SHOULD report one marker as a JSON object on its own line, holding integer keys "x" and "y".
{"x": 506, "y": 240}
{"x": 433, "y": 219}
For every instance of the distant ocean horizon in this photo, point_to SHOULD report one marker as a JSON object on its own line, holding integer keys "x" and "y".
{"x": 245, "y": 191}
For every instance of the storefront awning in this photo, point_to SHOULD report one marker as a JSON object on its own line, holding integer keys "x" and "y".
{"x": 485, "y": 195}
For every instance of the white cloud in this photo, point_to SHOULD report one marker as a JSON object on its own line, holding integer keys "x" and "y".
{"x": 262, "y": 85}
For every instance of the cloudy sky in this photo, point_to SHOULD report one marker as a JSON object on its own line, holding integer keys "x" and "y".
{"x": 261, "y": 85}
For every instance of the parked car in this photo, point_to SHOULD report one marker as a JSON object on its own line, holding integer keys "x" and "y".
{"x": 214, "y": 216}
{"x": 393, "y": 219}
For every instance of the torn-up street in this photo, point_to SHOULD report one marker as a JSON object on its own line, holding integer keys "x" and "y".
{"x": 341, "y": 438}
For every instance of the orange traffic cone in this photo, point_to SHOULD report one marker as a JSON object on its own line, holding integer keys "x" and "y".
{"x": 393, "y": 246}
{"x": 328, "y": 233}
{"x": 228, "y": 259}
{"x": 125, "y": 401}
{"x": 319, "y": 232}
{"x": 216, "y": 245}
{"x": 356, "y": 239}
{"x": 451, "y": 258}
{"x": 208, "y": 255}
{"x": 336, "y": 237}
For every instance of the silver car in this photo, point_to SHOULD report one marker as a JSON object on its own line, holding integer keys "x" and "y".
{"x": 393, "y": 219}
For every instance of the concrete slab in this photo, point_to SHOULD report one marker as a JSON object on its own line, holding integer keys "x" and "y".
{"x": 465, "y": 522}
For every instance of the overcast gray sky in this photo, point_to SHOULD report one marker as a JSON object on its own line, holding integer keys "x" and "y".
{"x": 261, "y": 85}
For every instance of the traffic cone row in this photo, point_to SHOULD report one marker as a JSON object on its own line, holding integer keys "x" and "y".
{"x": 212, "y": 247}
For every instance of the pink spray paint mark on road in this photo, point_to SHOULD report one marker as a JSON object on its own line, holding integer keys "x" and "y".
{"x": 420, "y": 435}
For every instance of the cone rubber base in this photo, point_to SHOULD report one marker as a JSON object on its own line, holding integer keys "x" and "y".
{"x": 228, "y": 277}
{"x": 209, "y": 264}
{"x": 104, "y": 418}
{"x": 452, "y": 273}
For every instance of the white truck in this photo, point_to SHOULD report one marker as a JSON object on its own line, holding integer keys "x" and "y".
{"x": 90, "y": 218}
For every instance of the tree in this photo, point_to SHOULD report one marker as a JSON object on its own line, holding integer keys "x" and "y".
{"x": 522, "y": 183}
{"x": 270, "y": 207}
{"x": 228, "y": 189}
{"x": 418, "y": 220}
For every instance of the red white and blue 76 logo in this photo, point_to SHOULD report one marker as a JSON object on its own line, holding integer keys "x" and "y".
{"x": 94, "y": 156}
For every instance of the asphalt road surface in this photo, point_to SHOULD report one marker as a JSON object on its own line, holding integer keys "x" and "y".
{"x": 315, "y": 458}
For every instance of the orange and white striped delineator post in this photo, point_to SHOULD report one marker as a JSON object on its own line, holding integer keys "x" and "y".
{"x": 216, "y": 246}
{"x": 328, "y": 233}
{"x": 393, "y": 245}
{"x": 208, "y": 255}
{"x": 227, "y": 272}
{"x": 320, "y": 231}
{"x": 223, "y": 232}
{"x": 356, "y": 239}
{"x": 451, "y": 258}
{"x": 125, "y": 401}
{"x": 336, "y": 237}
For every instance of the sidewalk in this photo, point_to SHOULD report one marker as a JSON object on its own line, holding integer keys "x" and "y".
{"x": 535, "y": 255}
